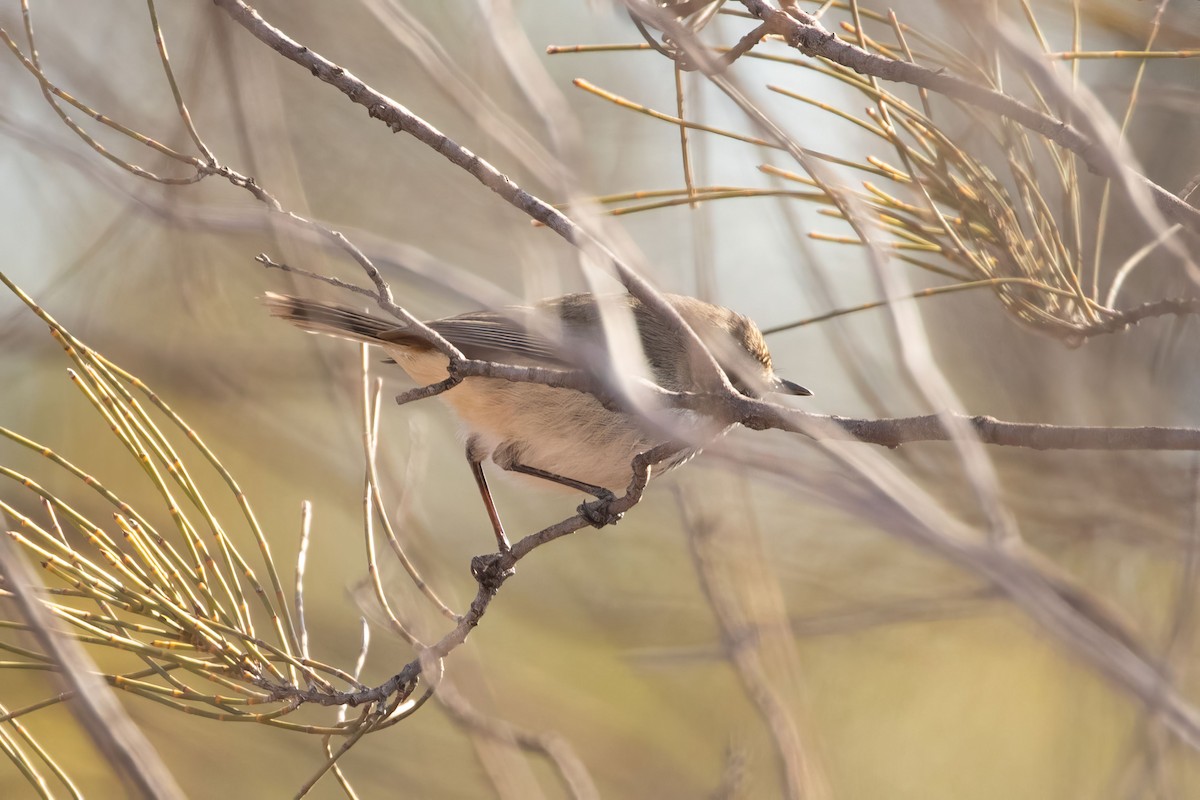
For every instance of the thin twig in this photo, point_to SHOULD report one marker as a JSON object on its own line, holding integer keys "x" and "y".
{"x": 400, "y": 119}
{"x": 803, "y": 32}
{"x": 301, "y": 563}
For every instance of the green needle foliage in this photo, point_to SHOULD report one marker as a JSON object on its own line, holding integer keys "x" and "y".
{"x": 963, "y": 194}
{"x": 193, "y": 625}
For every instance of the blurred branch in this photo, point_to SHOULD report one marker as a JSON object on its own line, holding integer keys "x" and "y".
{"x": 400, "y": 119}
{"x": 735, "y": 407}
{"x": 91, "y": 700}
{"x": 1055, "y": 603}
{"x": 728, "y": 404}
{"x": 1078, "y": 621}
{"x": 806, "y": 34}
{"x": 205, "y": 166}
{"x": 1007, "y": 237}
{"x": 742, "y": 633}
{"x": 50, "y": 92}
{"x": 557, "y": 750}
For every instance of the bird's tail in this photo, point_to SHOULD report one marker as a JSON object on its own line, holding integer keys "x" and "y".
{"x": 332, "y": 320}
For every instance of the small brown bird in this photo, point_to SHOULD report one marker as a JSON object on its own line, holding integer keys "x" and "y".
{"x": 559, "y": 435}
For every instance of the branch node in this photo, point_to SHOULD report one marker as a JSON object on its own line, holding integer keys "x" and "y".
{"x": 492, "y": 570}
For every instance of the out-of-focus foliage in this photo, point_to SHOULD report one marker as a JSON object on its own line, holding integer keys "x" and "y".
{"x": 900, "y": 675}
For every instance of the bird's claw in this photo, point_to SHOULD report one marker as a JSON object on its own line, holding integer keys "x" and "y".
{"x": 599, "y": 512}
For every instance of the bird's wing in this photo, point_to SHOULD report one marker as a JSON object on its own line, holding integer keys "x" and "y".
{"x": 490, "y": 336}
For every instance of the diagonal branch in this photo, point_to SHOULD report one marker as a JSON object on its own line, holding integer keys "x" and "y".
{"x": 490, "y": 571}
{"x": 1051, "y": 601}
{"x": 115, "y": 735}
{"x": 401, "y": 119}
{"x": 805, "y": 33}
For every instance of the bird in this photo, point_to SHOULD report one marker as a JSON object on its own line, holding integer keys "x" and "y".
{"x": 560, "y": 435}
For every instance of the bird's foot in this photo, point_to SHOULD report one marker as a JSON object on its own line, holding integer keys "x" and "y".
{"x": 490, "y": 571}
{"x": 599, "y": 512}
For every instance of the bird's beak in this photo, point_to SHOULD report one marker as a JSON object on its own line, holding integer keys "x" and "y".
{"x": 783, "y": 386}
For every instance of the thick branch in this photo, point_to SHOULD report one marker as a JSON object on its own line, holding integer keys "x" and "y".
{"x": 400, "y": 119}
{"x": 1038, "y": 436}
{"x": 813, "y": 39}
{"x": 734, "y": 408}
{"x": 1027, "y": 583}
{"x": 893, "y": 432}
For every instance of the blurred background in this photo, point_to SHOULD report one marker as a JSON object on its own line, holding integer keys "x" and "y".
{"x": 760, "y": 607}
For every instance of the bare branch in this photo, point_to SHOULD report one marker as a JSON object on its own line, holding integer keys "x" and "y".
{"x": 571, "y": 769}
{"x": 931, "y": 428}
{"x": 735, "y": 408}
{"x": 805, "y": 33}
{"x": 110, "y": 728}
{"x": 490, "y": 571}
{"x": 400, "y": 119}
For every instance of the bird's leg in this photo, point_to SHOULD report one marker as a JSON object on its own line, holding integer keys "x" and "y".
{"x": 475, "y": 459}
{"x": 595, "y": 491}
{"x": 596, "y": 512}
